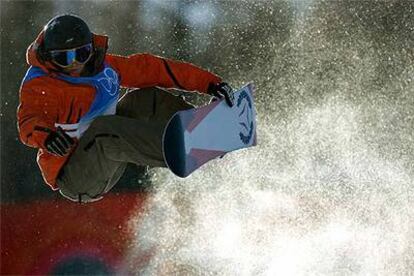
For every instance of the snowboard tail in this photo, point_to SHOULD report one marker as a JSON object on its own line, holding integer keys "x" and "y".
{"x": 195, "y": 136}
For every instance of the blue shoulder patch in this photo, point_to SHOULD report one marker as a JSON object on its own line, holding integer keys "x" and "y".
{"x": 32, "y": 73}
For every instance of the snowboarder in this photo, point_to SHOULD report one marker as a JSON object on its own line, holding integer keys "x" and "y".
{"x": 70, "y": 108}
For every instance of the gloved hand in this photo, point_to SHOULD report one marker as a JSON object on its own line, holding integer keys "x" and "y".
{"x": 58, "y": 142}
{"x": 221, "y": 90}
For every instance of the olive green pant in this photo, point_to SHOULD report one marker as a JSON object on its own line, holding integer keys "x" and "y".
{"x": 133, "y": 135}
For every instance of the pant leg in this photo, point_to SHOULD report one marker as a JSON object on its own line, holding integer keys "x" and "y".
{"x": 133, "y": 135}
{"x": 150, "y": 104}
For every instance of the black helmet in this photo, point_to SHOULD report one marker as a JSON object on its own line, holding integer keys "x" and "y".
{"x": 66, "y": 32}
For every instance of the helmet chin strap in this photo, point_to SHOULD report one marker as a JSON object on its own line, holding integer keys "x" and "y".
{"x": 74, "y": 73}
{"x": 69, "y": 71}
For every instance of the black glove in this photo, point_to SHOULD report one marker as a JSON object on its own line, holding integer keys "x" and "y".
{"x": 221, "y": 90}
{"x": 58, "y": 142}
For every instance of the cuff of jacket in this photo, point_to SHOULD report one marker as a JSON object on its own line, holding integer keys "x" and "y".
{"x": 37, "y": 137}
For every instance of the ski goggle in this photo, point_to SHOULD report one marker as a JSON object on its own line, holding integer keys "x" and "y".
{"x": 66, "y": 58}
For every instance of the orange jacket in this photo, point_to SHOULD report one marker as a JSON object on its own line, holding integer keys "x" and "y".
{"x": 47, "y": 100}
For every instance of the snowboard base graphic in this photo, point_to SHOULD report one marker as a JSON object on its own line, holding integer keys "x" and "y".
{"x": 195, "y": 136}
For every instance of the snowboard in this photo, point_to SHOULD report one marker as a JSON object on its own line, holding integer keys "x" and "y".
{"x": 195, "y": 136}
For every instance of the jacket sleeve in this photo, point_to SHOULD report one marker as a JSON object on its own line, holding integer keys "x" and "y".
{"x": 34, "y": 115}
{"x": 145, "y": 70}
